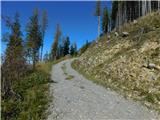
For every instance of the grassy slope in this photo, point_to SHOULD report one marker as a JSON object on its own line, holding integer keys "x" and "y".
{"x": 118, "y": 63}
{"x": 34, "y": 90}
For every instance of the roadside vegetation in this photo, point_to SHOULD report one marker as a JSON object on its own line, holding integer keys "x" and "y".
{"x": 24, "y": 85}
{"x": 33, "y": 96}
{"x": 25, "y": 76}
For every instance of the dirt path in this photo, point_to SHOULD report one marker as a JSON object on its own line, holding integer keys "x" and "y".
{"x": 76, "y": 98}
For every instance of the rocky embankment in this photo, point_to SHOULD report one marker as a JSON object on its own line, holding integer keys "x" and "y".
{"x": 128, "y": 64}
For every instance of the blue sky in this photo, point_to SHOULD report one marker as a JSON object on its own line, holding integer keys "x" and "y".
{"x": 76, "y": 19}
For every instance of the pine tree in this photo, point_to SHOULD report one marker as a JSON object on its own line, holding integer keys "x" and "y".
{"x": 105, "y": 20}
{"x": 66, "y": 46}
{"x": 34, "y": 37}
{"x": 54, "y": 51}
{"x": 44, "y": 27}
{"x": 98, "y": 14}
{"x": 72, "y": 50}
{"x": 13, "y": 67}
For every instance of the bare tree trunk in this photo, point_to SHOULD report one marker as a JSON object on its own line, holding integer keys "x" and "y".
{"x": 41, "y": 52}
{"x": 125, "y": 12}
{"x": 139, "y": 9}
{"x": 98, "y": 29}
{"x": 159, "y": 5}
{"x": 130, "y": 18}
{"x": 149, "y": 6}
{"x": 118, "y": 23}
{"x": 98, "y": 26}
{"x": 121, "y": 15}
{"x": 144, "y": 8}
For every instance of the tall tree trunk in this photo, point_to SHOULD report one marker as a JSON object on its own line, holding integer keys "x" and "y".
{"x": 41, "y": 52}
{"x": 118, "y": 13}
{"x": 98, "y": 28}
{"x": 6, "y": 86}
{"x": 125, "y": 12}
{"x": 143, "y": 8}
{"x": 34, "y": 60}
{"x": 130, "y": 18}
{"x": 159, "y": 5}
{"x": 149, "y": 6}
{"x": 121, "y": 15}
{"x": 139, "y": 8}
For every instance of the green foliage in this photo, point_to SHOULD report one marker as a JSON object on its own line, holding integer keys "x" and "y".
{"x": 54, "y": 50}
{"x": 98, "y": 8}
{"x": 73, "y": 49}
{"x": 66, "y": 46}
{"x": 24, "y": 92}
{"x": 14, "y": 65}
{"x": 33, "y": 90}
{"x": 34, "y": 37}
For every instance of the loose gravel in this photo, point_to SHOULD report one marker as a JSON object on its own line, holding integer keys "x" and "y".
{"x": 81, "y": 99}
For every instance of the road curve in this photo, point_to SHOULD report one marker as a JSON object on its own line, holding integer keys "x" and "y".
{"x": 76, "y": 98}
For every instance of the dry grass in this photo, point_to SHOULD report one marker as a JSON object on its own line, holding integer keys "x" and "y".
{"x": 118, "y": 63}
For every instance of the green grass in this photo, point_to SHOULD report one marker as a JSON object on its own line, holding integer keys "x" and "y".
{"x": 45, "y": 66}
{"x": 33, "y": 89}
{"x": 69, "y": 77}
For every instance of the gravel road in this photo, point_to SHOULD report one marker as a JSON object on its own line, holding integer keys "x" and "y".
{"x": 76, "y": 98}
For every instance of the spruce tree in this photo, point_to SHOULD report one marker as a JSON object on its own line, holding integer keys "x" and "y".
{"x": 13, "y": 67}
{"x": 66, "y": 46}
{"x": 34, "y": 37}
{"x": 72, "y": 50}
{"x": 54, "y": 50}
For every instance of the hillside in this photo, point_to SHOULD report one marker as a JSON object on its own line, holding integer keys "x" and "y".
{"x": 129, "y": 65}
